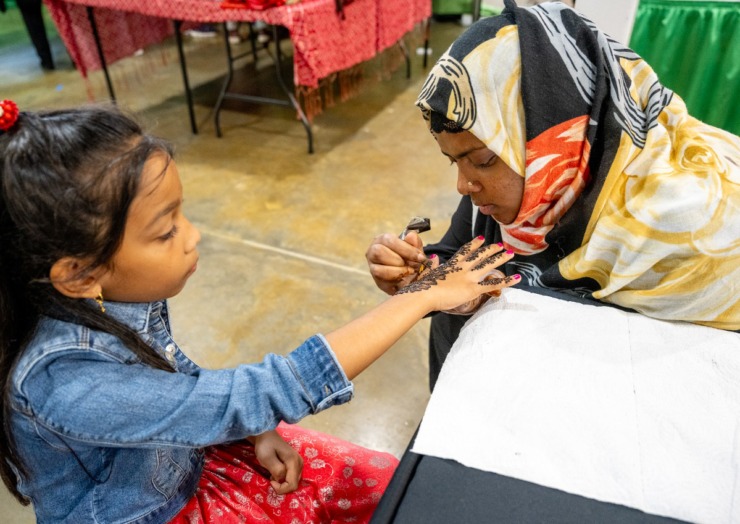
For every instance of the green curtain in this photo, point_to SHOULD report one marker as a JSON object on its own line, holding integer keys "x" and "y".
{"x": 459, "y": 7}
{"x": 694, "y": 47}
{"x": 452, "y": 7}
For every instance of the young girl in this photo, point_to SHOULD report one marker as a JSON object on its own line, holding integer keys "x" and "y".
{"x": 104, "y": 418}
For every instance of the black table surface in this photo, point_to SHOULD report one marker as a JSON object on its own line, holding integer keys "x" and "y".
{"x": 431, "y": 490}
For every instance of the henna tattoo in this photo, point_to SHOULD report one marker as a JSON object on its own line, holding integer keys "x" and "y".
{"x": 463, "y": 251}
{"x": 493, "y": 282}
{"x": 475, "y": 254}
{"x": 430, "y": 278}
{"x": 434, "y": 276}
{"x": 493, "y": 259}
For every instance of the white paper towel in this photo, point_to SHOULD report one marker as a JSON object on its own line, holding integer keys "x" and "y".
{"x": 594, "y": 401}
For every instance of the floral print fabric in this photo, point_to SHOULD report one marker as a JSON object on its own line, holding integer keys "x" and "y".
{"x": 341, "y": 482}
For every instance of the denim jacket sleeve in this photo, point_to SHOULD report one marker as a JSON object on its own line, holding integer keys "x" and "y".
{"x": 88, "y": 395}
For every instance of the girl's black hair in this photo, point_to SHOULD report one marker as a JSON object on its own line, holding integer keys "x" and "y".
{"x": 67, "y": 180}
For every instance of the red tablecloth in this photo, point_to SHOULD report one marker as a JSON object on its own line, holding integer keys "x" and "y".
{"x": 323, "y": 41}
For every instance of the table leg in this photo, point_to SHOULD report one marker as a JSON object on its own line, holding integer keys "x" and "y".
{"x": 427, "y": 32}
{"x": 290, "y": 102}
{"x": 227, "y": 82}
{"x": 101, "y": 55}
{"x": 293, "y": 101}
{"x": 185, "y": 81}
{"x": 406, "y": 56}
{"x": 253, "y": 41}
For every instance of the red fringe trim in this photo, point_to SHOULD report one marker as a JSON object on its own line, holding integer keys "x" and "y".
{"x": 348, "y": 83}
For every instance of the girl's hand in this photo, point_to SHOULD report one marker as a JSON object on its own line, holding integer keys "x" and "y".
{"x": 471, "y": 306}
{"x": 394, "y": 263}
{"x": 280, "y": 459}
{"x": 469, "y": 274}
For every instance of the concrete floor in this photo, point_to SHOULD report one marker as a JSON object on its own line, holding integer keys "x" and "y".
{"x": 284, "y": 232}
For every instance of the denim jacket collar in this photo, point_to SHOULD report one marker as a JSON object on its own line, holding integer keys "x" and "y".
{"x": 136, "y": 315}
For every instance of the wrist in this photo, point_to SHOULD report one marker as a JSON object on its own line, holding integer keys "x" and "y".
{"x": 468, "y": 308}
{"x": 254, "y": 438}
{"x": 420, "y": 301}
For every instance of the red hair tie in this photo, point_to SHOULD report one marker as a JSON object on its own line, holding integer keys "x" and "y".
{"x": 8, "y": 114}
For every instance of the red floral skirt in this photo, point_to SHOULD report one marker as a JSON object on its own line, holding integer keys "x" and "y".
{"x": 341, "y": 482}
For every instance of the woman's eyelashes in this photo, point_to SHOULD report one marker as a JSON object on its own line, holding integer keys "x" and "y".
{"x": 487, "y": 163}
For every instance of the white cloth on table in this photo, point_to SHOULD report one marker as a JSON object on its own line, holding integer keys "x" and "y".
{"x": 595, "y": 401}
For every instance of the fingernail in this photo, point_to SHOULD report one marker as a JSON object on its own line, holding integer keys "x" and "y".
{"x": 509, "y": 252}
{"x": 517, "y": 276}
{"x": 500, "y": 244}
{"x": 432, "y": 256}
{"x": 480, "y": 237}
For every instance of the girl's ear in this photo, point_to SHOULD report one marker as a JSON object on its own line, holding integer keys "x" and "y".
{"x": 68, "y": 277}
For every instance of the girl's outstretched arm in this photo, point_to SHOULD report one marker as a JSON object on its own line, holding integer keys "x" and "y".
{"x": 139, "y": 406}
{"x": 359, "y": 343}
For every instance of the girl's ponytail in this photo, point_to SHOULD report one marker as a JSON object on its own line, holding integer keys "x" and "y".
{"x": 14, "y": 308}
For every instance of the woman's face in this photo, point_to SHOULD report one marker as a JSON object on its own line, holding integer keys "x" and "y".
{"x": 492, "y": 185}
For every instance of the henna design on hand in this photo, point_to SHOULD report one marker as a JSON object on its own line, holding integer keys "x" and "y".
{"x": 430, "y": 278}
{"x": 433, "y": 276}
{"x": 462, "y": 252}
{"x": 493, "y": 259}
{"x": 492, "y": 281}
{"x": 475, "y": 254}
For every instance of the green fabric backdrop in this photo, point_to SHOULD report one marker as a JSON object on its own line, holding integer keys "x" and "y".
{"x": 452, "y": 7}
{"x": 694, "y": 47}
{"x": 458, "y": 7}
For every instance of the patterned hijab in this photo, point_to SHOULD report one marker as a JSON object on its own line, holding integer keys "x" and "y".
{"x": 626, "y": 196}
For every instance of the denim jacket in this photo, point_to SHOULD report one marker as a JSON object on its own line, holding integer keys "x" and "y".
{"x": 109, "y": 440}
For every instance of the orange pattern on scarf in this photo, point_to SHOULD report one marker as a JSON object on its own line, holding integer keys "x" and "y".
{"x": 556, "y": 173}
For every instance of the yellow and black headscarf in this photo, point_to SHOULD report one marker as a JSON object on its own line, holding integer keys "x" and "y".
{"x": 626, "y": 197}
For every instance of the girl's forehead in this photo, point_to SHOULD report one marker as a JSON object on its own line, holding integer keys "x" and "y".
{"x": 158, "y": 161}
{"x": 159, "y": 169}
{"x": 159, "y": 194}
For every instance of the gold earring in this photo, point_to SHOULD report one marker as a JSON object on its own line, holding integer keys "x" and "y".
{"x": 99, "y": 300}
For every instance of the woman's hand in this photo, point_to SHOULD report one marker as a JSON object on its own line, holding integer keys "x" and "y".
{"x": 394, "y": 263}
{"x": 280, "y": 459}
{"x": 467, "y": 279}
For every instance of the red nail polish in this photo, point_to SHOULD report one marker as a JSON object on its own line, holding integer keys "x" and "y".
{"x": 509, "y": 252}
{"x": 480, "y": 237}
{"x": 500, "y": 244}
{"x": 432, "y": 256}
{"x": 517, "y": 276}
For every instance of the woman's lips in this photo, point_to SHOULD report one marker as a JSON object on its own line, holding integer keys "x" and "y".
{"x": 487, "y": 209}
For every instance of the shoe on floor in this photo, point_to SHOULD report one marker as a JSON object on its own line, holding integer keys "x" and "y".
{"x": 202, "y": 31}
